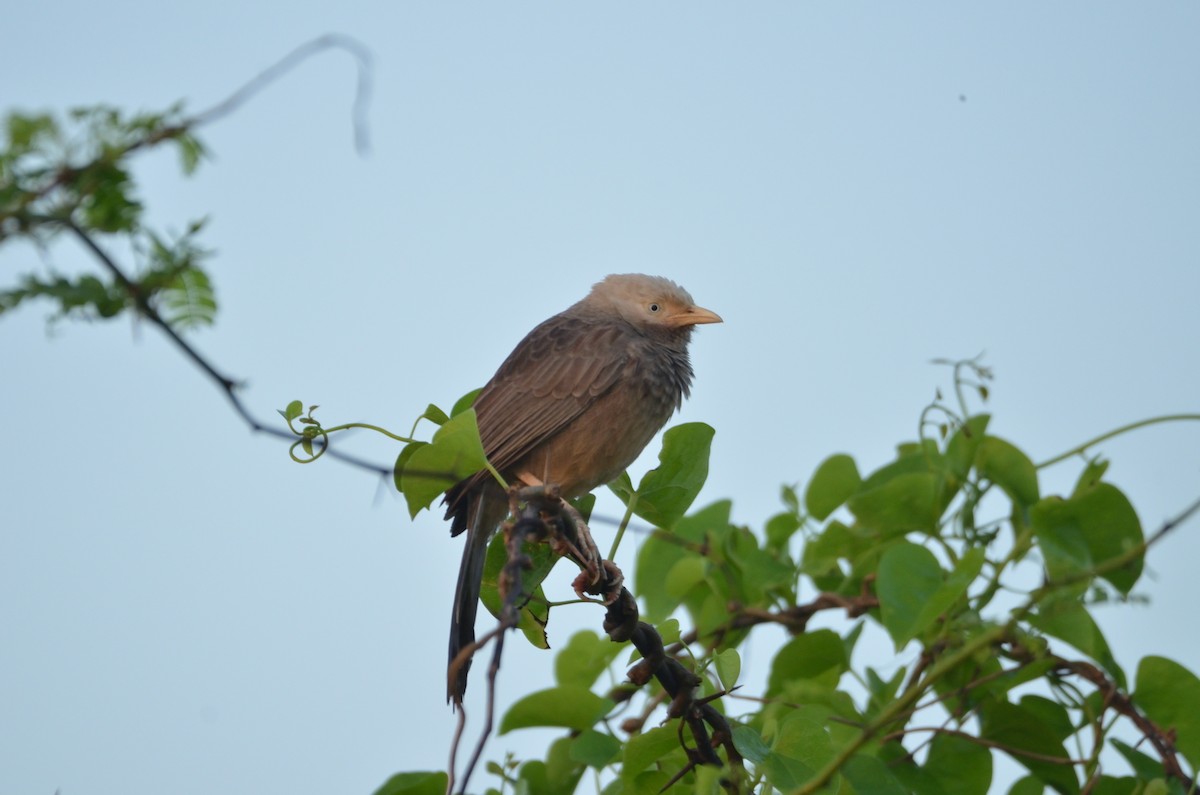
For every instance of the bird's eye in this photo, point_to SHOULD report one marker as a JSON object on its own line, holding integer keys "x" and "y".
{"x": 653, "y": 307}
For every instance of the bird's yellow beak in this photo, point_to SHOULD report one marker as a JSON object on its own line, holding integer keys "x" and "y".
{"x": 694, "y": 316}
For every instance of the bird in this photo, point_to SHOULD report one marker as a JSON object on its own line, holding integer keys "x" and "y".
{"x": 574, "y": 404}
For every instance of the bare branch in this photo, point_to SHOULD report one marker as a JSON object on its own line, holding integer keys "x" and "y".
{"x": 330, "y": 41}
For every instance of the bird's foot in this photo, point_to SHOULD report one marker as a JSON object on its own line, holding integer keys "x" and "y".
{"x": 587, "y": 553}
{"x": 608, "y": 586}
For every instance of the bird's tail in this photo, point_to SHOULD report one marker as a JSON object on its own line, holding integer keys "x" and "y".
{"x": 485, "y": 513}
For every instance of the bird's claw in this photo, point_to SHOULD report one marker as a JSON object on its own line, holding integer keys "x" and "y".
{"x": 586, "y": 552}
{"x": 607, "y": 587}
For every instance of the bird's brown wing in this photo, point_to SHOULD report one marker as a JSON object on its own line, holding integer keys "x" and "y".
{"x": 560, "y": 369}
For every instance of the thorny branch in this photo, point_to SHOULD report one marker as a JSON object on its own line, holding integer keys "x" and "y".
{"x": 1123, "y": 704}
{"x": 545, "y": 517}
{"x": 1111, "y": 696}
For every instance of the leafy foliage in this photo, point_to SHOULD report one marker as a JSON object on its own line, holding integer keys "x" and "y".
{"x": 75, "y": 175}
{"x": 935, "y": 550}
{"x": 986, "y": 663}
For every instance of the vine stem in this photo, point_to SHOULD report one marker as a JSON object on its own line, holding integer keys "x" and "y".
{"x": 1133, "y": 426}
{"x": 369, "y": 427}
{"x": 612, "y": 553}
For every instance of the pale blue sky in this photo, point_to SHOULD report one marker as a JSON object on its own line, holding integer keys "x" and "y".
{"x": 856, "y": 189}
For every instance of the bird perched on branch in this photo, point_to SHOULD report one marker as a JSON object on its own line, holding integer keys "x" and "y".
{"x": 574, "y": 404}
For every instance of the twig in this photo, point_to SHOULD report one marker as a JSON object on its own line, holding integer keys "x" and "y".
{"x": 330, "y": 41}
{"x": 225, "y": 383}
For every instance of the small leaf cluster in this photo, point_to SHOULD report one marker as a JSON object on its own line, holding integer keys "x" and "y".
{"x": 75, "y": 174}
{"x": 310, "y": 430}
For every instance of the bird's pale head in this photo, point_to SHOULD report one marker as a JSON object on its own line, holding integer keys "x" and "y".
{"x": 648, "y": 302}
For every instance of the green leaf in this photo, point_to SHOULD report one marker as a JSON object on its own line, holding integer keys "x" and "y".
{"x": 960, "y": 766}
{"x": 558, "y": 775}
{"x": 651, "y": 782}
{"x": 788, "y": 495}
{"x": 1066, "y": 619}
{"x": 729, "y": 667}
{"x": 655, "y": 560}
{"x": 1009, "y": 468}
{"x": 643, "y": 750}
{"x": 595, "y": 749}
{"x": 800, "y": 747}
{"x": 534, "y": 613}
{"x": 780, "y": 528}
{"x": 749, "y": 743}
{"x": 454, "y": 454}
{"x": 1050, "y": 714}
{"x": 757, "y": 571}
{"x": 818, "y": 656}
{"x": 660, "y": 553}
{"x": 1078, "y": 534}
{"x": 685, "y": 575}
{"x": 191, "y": 152}
{"x": 406, "y": 452}
{"x": 908, "y": 578}
{"x": 465, "y": 402}
{"x": 669, "y": 631}
{"x": 834, "y": 482}
{"x": 622, "y": 487}
{"x": 584, "y": 505}
{"x": 1110, "y": 529}
{"x": 870, "y": 776}
{"x": 964, "y": 445}
{"x": 959, "y": 458}
{"x": 785, "y": 773}
{"x": 903, "y": 503}
{"x": 1061, "y": 541}
{"x": 189, "y": 301}
{"x": 26, "y": 132}
{"x": 1169, "y": 694}
{"x": 1146, "y": 767}
{"x": 106, "y": 199}
{"x": 709, "y": 608}
{"x": 851, "y": 639}
{"x": 566, "y": 706}
{"x": 584, "y": 658}
{"x": 882, "y": 692}
{"x": 1091, "y": 476}
{"x": 823, "y": 551}
{"x": 293, "y": 410}
{"x": 667, "y": 491}
{"x": 1017, "y": 729}
{"x": 86, "y": 296}
{"x": 952, "y": 589}
{"x": 1027, "y": 786}
{"x": 434, "y": 415}
{"x": 1125, "y": 785}
{"x": 415, "y": 784}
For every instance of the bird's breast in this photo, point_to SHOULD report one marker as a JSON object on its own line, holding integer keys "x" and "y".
{"x": 606, "y": 438}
